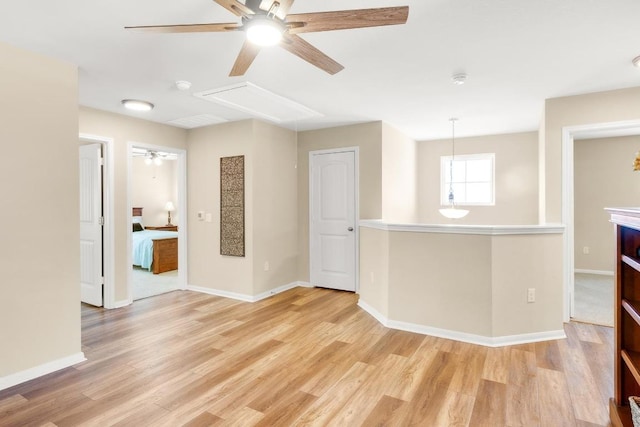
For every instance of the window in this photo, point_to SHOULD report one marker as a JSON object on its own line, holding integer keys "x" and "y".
{"x": 473, "y": 182}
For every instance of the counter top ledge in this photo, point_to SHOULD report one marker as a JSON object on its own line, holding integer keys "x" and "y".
{"x": 489, "y": 230}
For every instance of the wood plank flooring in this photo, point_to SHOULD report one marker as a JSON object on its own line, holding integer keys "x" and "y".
{"x": 307, "y": 357}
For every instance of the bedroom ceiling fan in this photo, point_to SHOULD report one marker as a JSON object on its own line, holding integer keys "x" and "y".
{"x": 268, "y": 22}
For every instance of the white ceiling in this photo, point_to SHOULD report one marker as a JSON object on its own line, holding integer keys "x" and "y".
{"x": 517, "y": 53}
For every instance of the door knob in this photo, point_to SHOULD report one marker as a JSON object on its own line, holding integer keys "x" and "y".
{"x": 350, "y": 228}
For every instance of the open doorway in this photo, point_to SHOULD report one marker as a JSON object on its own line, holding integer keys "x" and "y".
{"x": 157, "y": 209}
{"x": 589, "y": 241}
{"x": 603, "y": 177}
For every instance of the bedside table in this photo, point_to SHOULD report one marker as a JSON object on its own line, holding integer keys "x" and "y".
{"x": 163, "y": 228}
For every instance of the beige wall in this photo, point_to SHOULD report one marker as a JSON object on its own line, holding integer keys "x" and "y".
{"x": 516, "y": 179}
{"x": 152, "y": 186}
{"x": 602, "y": 107}
{"x": 429, "y": 286}
{"x": 399, "y": 176}
{"x": 207, "y": 268}
{"x": 40, "y": 286}
{"x": 125, "y": 129}
{"x": 474, "y": 284}
{"x": 368, "y": 137}
{"x": 521, "y": 262}
{"x": 374, "y": 269}
{"x": 603, "y": 177}
{"x": 275, "y": 207}
{"x": 270, "y": 207}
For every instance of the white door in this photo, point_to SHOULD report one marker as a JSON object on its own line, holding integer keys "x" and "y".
{"x": 91, "y": 224}
{"x": 332, "y": 220}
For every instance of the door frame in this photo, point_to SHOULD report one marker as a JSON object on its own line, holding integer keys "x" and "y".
{"x": 108, "y": 235}
{"x": 356, "y": 169}
{"x": 571, "y": 134}
{"x": 182, "y": 219}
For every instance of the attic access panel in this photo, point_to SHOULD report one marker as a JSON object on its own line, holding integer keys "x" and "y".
{"x": 258, "y": 102}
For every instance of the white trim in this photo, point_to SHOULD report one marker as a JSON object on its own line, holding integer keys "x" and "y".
{"x": 463, "y": 336}
{"x": 40, "y": 370}
{"x": 490, "y": 230}
{"x": 356, "y": 166}
{"x": 374, "y": 312}
{"x": 245, "y": 297}
{"x": 121, "y": 303}
{"x": 597, "y": 272}
{"x": 569, "y": 135}
{"x": 182, "y": 218}
{"x": 108, "y": 230}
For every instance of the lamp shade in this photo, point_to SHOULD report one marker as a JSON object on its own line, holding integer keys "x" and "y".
{"x": 169, "y": 207}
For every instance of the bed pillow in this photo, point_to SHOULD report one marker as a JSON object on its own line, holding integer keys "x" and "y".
{"x": 137, "y": 227}
{"x": 138, "y": 220}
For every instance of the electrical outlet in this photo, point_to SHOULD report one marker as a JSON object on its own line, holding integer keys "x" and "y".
{"x": 200, "y": 215}
{"x": 372, "y": 277}
{"x": 207, "y": 217}
{"x": 266, "y": 266}
{"x": 531, "y": 295}
{"x": 585, "y": 250}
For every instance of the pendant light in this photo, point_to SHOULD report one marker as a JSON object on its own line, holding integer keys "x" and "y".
{"x": 452, "y": 212}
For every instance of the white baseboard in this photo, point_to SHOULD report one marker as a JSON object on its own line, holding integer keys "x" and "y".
{"x": 462, "y": 336}
{"x": 245, "y": 297}
{"x": 375, "y": 313}
{"x": 122, "y": 303}
{"x": 599, "y": 272}
{"x": 38, "y": 371}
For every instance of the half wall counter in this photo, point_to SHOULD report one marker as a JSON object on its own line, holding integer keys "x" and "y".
{"x": 469, "y": 283}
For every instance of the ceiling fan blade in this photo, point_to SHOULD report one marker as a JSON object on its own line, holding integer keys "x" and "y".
{"x": 235, "y": 7}
{"x": 283, "y": 9}
{"x": 187, "y": 28}
{"x": 246, "y": 56}
{"x": 346, "y": 19}
{"x": 302, "y": 49}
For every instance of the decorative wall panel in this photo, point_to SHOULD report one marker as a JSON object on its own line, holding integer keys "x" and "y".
{"x": 232, "y": 206}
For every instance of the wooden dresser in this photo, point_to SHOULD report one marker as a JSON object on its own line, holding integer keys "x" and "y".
{"x": 162, "y": 227}
{"x": 627, "y": 314}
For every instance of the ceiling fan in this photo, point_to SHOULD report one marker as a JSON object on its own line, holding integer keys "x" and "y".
{"x": 268, "y": 22}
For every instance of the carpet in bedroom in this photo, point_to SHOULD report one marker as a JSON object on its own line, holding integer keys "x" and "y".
{"x": 593, "y": 299}
{"x": 147, "y": 284}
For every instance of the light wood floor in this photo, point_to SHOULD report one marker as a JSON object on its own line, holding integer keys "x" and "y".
{"x": 307, "y": 357}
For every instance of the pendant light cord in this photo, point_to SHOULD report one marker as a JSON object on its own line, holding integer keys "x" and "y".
{"x": 453, "y": 153}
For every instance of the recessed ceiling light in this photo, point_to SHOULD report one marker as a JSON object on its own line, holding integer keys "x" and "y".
{"x": 264, "y": 31}
{"x": 636, "y": 61}
{"x": 137, "y": 105}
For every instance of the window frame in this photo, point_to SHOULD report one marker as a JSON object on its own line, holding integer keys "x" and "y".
{"x": 444, "y": 185}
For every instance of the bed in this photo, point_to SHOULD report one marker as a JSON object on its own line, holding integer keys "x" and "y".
{"x": 154, "y": 250}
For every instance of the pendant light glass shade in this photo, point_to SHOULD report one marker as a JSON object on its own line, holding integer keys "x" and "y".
{"x": 452, "y": 212}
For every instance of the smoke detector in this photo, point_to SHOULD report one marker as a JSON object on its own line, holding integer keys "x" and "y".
{"x": 459, "y": 78}
{"x": 183, "y": 85}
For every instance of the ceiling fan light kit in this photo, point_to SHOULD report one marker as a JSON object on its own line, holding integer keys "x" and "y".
{"x": 264, "y": 31}
{"x": 268, "y": 22}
